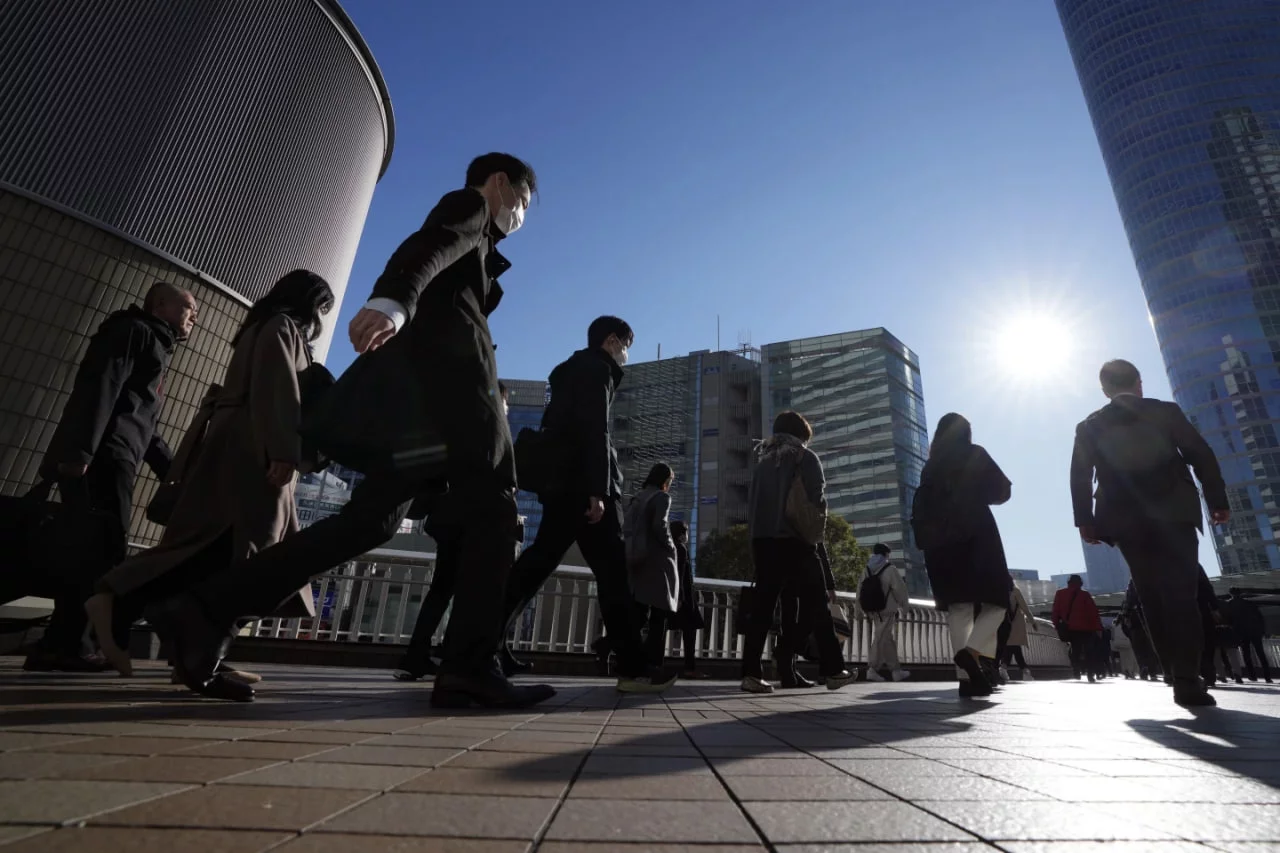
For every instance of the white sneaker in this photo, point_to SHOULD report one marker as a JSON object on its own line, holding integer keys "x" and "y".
{"x": 1026, "y": 674}
{"x": 1004, "y": 674}
{"x": 900, "y": 675}
{"x": 751, "y": 684}
{"x": 874, "y": 675}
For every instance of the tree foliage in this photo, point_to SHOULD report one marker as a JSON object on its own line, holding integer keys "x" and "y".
{"x": 726, "y": 555}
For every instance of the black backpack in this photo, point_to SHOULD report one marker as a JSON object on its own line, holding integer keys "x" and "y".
{"x": 871, "y": 592}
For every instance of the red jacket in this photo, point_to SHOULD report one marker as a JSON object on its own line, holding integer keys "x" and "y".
{"x": 1083, "y": 614}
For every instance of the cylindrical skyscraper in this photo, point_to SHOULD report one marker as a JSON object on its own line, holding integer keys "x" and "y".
{"x": 216, "y": 145}
{"x": 1185, "y": 101}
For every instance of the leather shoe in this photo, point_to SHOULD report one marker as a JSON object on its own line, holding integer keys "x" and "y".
{"x": 42, "y": 661}
{"x": 794, "y": 681}
{"x": 1190, "y": 693}
{"x": 486, "y": 691}
{"x": 198, "y": 645}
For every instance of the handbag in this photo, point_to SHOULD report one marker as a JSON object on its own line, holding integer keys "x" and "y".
{"x": 48, "y": 549}
{"x": 1061, "y": 626}
{"x": 806, "y": 518}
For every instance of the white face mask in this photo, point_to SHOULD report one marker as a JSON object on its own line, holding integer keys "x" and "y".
{"x": 509, "y": 219}
{"x": 621, "y": 357}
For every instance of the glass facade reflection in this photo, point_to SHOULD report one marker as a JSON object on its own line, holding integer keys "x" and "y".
{"x": 1185, "y": 101}
{"x": 863, "y": 395}
{"x": 525, "y": 404}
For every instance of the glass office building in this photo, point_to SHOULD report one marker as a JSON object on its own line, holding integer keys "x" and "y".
{"x": 1185, "y": 101}
{"x": 525, "y": 403}
{"x": 863, "y": 395}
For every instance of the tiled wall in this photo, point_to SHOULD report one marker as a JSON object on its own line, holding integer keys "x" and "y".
{"x": 59, "y": 278}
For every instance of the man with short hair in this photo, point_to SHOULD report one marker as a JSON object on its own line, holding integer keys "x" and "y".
{"x": 1147, "y": 505}
{"x": 420, "y": 410}
{"x": 108, "y": 429}
{"x": 584, "y": 504}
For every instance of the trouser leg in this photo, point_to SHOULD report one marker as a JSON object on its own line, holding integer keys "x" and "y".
{"x": 1165, "y": 567}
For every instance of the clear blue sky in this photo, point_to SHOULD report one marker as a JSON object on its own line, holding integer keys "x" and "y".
{"x": 799, "y": 169}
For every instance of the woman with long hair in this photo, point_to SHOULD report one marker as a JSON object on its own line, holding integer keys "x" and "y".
{"x": 652, "y": 568}
{"x": 963, "y": 552}
{"x": 238, "y": 464}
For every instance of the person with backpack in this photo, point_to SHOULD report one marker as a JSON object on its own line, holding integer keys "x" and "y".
{"x": 953, "y": 524}
{"x": 1147, "y": 505}
{"x": 882, "y": 595}
{"x": 652, "y": 569}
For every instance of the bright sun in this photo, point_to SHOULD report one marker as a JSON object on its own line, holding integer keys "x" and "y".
{"x": 1033, "y": 346}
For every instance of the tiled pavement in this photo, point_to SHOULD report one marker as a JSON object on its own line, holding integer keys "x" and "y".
{"x": 330, "y": 761}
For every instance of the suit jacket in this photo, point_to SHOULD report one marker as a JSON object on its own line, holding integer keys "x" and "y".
{"x": 579, "y": 416}
{"x": 1140, "y": 449}
{"x": 430, "y": 394}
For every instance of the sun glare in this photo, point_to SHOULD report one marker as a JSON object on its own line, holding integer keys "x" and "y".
{"x": 1033, "y": 346}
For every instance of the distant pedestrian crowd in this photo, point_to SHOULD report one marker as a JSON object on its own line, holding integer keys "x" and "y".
{"x": 422, "y": 414}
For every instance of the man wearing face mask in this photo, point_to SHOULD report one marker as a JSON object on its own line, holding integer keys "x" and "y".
{"x": 584, "y": 502}
{"x": 420, "y": 413}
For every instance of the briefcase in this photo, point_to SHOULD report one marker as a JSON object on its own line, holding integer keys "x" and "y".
{"x": 48, "y": 549}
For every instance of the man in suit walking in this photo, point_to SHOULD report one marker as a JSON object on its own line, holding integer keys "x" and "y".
{"x": 1147, "y": 505}
{"x": 421, "y": 409}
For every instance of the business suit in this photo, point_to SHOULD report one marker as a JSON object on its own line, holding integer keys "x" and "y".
{"x": 1147, "y": 505}
{"x": 422, "y": 408}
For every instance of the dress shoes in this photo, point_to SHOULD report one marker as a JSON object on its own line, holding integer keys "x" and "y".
{"x": 489, "y": 690}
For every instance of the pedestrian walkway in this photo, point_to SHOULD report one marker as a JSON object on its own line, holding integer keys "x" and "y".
{"x": 347, "y": 761}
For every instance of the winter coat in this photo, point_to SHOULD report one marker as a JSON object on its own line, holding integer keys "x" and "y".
{"x": 579, "y": 423}
{"x": 225, "y": 489}
{"x": 1246, "y": 617}
{"x": 1020, "y": 618}
{"x": 655, "y": 576}
{"x": 1082, "y": 615}
{"x": 427, "y": 400}
{"x": 780, "y": 458}
{"x": 116, "y": 399}
{"x": 690, "y": 613}
{"x": 973, "y": 571}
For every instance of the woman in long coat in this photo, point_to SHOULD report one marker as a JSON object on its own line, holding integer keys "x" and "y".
{"x": 237, "y": 490}
{"x": 652, "y": 568}
{"x": 968, "y": 570}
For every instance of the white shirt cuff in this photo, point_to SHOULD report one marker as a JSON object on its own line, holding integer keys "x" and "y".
{"x": 391, "y": 308}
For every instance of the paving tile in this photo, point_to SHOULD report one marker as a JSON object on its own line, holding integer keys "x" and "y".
{"x": 1087, "y": 789}
{"x": 784, "y": 822}
{"x": 688, "y": 787}
{"x": 313, "y": 736}
{"x": 42, "y": 765}
{"x": 1104, "y": 847}
{"x": 167, "y": 768}
{"x": 386, "y": 755}
{"x": 101, "y": 839}
{"x": 451, "y": 780}
{"x": 315, "y": 774}
{"x": 446, "y": 815}
{"x": 265, "y": 750}
{"x": 34, "y": 740}
{"x": 1219, "y": 790}
{"x": 650, "y": 821}
{"x": 1045, "y": 821}
{"x": 129, "y": 746}
{"x": 239, "y": 807}
{"x": 621, "y": 765}
{"x": 327, "y": 842}
{"x": 206, "y": 732}
{"x": 519, "y": 762}
{"x": 956, "y": 788}
{"x": 772, "y": 767}
{"x": 9, "y": 834}
{"x": 608, "y": 847}
{"x": 872, "y": 770}
{"x": 1207, "y": 822}
{"x": 56, "y": 800}
{"x": 428, "y": 741}
{"x": 803, "y": 788}
{"x": 926, "y": 847}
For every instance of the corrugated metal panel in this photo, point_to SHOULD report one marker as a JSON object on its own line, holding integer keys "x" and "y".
{"x": 243, "y": 137}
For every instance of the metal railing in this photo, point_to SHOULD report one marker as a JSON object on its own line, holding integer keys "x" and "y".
{"x": 376, "y": 600}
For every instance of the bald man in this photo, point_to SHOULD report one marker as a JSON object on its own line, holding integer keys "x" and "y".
{"x": 107, "y": 429}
